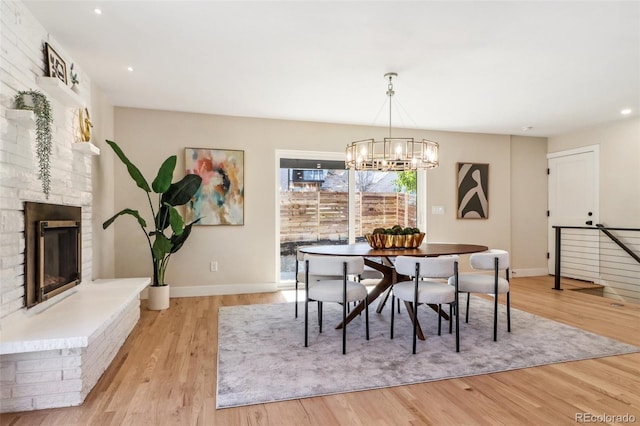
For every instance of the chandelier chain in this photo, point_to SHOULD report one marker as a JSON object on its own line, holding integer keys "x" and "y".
{"x": 390, "y": 94}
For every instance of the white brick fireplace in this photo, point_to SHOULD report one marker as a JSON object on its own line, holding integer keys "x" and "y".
{"x": 51, "y": 355}
{"x": 22, "y": 40}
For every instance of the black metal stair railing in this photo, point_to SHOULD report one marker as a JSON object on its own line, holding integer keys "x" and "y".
{"x": 599, "y": 228}
{"x": 620, "y": 244}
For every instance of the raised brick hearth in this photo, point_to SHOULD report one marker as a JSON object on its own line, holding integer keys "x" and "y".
{"x": 55, "y": 357}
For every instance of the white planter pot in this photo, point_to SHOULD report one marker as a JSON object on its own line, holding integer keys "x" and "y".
{"x": 158, "y": 298}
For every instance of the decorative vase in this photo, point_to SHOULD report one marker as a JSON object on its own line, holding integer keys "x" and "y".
{"x": 386, "y": 241}
{"x": 158, "y": 298}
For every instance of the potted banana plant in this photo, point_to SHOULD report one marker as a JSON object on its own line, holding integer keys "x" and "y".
{"x": 166, "y": 232}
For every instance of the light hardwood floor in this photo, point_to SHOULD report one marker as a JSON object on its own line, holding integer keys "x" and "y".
{"x": 165, "y": 374}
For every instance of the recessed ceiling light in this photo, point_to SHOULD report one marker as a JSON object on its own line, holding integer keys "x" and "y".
{"x": 626, "y": 111}
{"x": 130, "y": 69}
{"x": 97, "y": 11}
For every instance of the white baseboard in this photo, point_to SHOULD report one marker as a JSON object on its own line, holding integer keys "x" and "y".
{"x": 218, "y": 289}
{"x": 533, "y": 272}
{"x": 222, "y": 289}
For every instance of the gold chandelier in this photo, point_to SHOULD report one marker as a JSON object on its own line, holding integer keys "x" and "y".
{"x": 391, "y": 153}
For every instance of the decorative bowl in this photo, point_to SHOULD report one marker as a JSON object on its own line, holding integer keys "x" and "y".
{"x": 387, "y": 241}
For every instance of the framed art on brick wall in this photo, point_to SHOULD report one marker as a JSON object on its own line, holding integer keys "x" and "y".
{"x": 220, "y": 199}
{"x": 472, "y": 191}
{"x": 55, "y": 65}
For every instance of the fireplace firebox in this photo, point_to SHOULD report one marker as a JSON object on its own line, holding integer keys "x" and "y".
{"x": 53, "y": 250}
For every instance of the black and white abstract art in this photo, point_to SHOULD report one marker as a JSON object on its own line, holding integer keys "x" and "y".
{"x": 473, "y": 191}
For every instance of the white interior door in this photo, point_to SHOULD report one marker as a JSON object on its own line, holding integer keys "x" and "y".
{"x": 573, "y": 201}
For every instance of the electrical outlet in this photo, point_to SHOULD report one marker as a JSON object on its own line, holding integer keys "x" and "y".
{"x": 213, "y": 266}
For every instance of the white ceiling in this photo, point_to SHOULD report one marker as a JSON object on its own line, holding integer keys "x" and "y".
{"x": 491, "y": 67}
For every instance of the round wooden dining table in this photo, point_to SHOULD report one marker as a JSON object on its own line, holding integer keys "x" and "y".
{"x": 380, "y": 260}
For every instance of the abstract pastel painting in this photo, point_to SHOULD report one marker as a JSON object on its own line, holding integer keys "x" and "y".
{"x": 220, "y": 199}
{"x": 473, "y": 191}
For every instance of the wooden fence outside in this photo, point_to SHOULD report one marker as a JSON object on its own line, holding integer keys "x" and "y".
{"x": 323, "y": 215}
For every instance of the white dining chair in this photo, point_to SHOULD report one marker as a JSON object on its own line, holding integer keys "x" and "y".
{"x": 343, "y": 290}
{"x": 424, "y": 289}
{"x": 491, "y": 260}
{"x": 300, "y": 275}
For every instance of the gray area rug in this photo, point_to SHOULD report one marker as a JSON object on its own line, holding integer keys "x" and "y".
{"x": 262, "y": 358}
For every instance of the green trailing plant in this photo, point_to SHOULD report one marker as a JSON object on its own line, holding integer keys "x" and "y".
{"x": 44, "y": 121}
{"x": 165, "y": 215}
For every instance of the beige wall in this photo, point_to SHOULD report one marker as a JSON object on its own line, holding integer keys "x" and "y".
{"x": 103, "y": 185}
{"x": 441, "y": 186}
{"x": 528, "y": 203}
{"x": 619, "y": 144}
{"x": 246, "y": 254}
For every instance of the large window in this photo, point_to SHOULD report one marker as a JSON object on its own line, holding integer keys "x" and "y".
{"x": 315, "y": 203}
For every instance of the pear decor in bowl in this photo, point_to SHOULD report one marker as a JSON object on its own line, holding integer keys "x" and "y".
{"x": 395, "y": 237}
